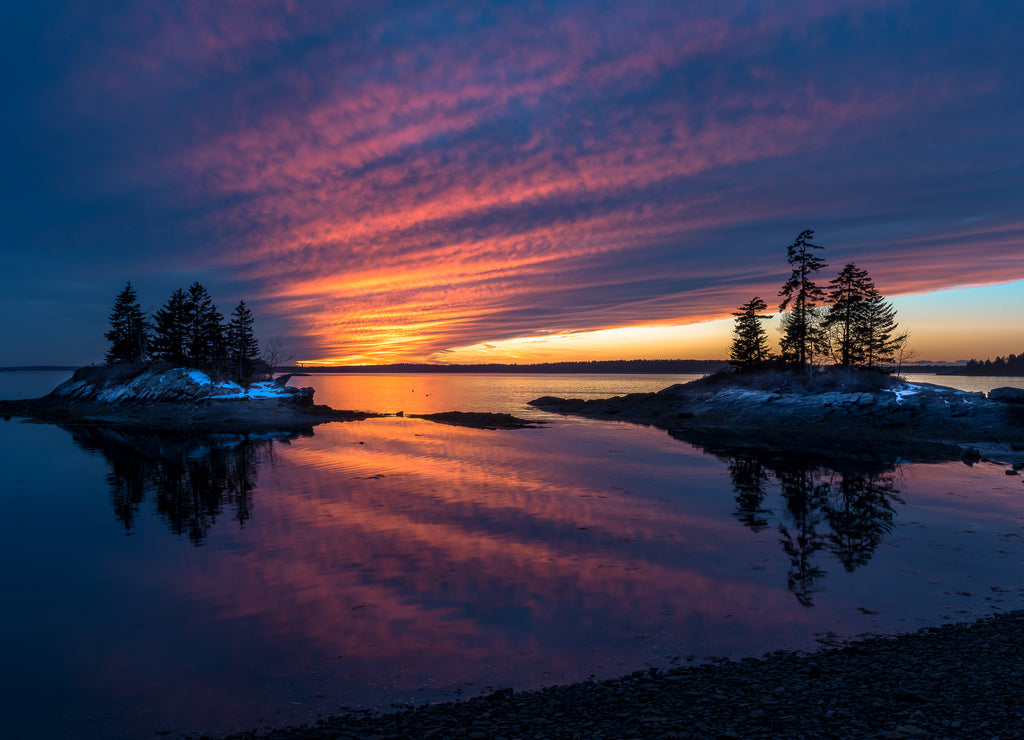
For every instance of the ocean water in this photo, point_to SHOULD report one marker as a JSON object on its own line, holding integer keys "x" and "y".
{"x": 159, "y": 583}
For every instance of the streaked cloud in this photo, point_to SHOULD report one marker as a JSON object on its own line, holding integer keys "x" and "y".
{"x": 397, "y": 181}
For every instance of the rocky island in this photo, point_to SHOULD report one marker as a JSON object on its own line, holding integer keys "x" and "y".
{"x": 162, "y": 397}
{"x": 831, "y": 413}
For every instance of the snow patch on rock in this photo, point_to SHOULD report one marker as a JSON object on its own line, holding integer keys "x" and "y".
{"x": 173, "y": 385}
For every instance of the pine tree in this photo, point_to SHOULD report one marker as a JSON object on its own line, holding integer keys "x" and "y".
{"x": 842, "y": 326}
{"x": 877, "y": 332}
{"x": 171, "y": 329}
{"x": 750, "y": 340}
{"x": 129, "y": 330}
{"x": 243, "y": 351}
{"x": 800, "y": 331}
{"x": 204, "y": 333}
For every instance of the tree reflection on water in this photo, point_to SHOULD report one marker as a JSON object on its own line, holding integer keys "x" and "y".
{"x": 189, "y": 479}
{"x": 843, "y": 509}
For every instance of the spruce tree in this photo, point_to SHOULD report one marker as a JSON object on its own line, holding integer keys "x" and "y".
{"x": 800, "y": 330}
{"x": 171, "y": 329}
{"x": 243, "y": 351}
{"x": 842, "y": 326}
{"x": 129, "y": 330}
{"x": 204, "y": 333}
{"x": 877, "y": 332}
{"x": 750, "y": 340}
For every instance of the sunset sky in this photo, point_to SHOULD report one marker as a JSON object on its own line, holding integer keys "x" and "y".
{"x": 508, "y": 181}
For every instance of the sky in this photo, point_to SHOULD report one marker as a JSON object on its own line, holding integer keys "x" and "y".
{"x": 508, "y": 181}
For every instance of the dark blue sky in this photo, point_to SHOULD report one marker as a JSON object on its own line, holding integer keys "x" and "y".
{"x": 385, "y": 181}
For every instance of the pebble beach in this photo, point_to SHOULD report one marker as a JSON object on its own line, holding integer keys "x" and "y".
{"x": 953, "y": 681}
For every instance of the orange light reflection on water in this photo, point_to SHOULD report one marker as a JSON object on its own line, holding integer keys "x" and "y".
{"x": 399, "y": 560}
{"x": 411, "y": 544}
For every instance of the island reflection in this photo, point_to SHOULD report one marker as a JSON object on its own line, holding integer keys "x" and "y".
{"x": 189, "y": 479}
{"x": 844, "y": 509}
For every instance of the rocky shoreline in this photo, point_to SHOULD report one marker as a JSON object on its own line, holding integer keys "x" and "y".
{"x": 899, "y": 420}
{"x": 237, "y": 415}
{"x": 954, "y": 681}
{"x": 146, "y": 398}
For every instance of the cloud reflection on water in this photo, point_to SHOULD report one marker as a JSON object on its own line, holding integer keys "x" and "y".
{"x": 402, "y": 542}
{"x": 399, "y": 560}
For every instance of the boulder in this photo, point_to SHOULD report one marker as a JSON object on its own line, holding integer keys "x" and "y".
{"x": 1007, "y": 395}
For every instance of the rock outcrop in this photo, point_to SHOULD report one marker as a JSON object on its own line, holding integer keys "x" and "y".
{"x": 146, "y": 396}
{"x": 169, "y": 385}
{"x": 1007, "y": 395}
{"x": 912, "y": 419}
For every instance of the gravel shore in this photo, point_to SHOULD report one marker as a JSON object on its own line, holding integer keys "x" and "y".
{"x": 955, "y": 681}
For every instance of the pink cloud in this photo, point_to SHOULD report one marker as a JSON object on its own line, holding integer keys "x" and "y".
{"x": 436, "y": 190}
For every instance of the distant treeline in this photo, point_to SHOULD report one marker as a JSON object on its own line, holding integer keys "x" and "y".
{"x": 1009, "y": 365}
{"x": 653, "y": 367}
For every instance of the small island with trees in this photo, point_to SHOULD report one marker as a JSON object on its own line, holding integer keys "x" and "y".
{"x": 184, "y": 368}
{"x": 833, "y": 387}
{"x": 187, "y": 331}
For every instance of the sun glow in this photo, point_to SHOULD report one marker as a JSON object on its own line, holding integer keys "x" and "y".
{"x": 941, "y": 324}
{"x": 705, "y": 340}
{"x": 693, "y": 341}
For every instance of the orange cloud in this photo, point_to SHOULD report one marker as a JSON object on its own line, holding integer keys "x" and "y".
{"x": 395, "y": 198}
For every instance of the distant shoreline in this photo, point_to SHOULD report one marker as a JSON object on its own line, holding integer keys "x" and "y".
{"x": 595, "y": 367}
{"x": 611, "y": 367}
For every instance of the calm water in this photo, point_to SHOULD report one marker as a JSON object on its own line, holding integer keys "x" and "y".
{"x": 157, "y": 583}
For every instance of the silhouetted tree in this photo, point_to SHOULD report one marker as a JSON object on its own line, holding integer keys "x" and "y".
{"x": 842, "y": 324}
{"x": 170, "y": 338}
{"x": 129, "y": 330}
{"x": 877, "y": 332}
{"x": 243, "y": 351}
{"x": 273, "y": 356}
{"x": 189, "y": 330}
{"x": 800, "y": 331}
{"x": 750, "y": 340}
{"x": 204, "y": 331}
{"x": 1012, "y": 365}
{"x": 860, "y": 326}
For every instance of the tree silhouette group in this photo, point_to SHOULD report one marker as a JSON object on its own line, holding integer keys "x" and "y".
{"x": 1009, "y": 365}
{"x": 187, "y": 331}
{"x": 848, "y": 323}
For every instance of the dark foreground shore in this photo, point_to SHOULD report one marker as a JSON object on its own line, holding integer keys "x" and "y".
{"x": 954, "y": 681}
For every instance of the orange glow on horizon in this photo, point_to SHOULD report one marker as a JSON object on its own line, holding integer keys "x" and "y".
{"x": 941, "y": 324}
